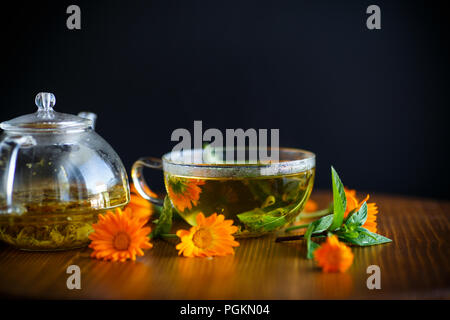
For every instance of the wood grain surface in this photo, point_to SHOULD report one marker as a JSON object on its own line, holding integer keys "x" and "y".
{"x": 415, "y": 265}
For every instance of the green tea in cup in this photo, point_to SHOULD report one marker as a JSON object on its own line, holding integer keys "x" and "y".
{"x": 260, "y": 197}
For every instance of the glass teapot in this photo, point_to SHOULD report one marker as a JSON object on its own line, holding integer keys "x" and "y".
{"x": 56, "y": 175}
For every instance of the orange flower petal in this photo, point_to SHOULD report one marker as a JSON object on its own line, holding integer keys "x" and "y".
{"x": 310, "y": 206}
{"x": 372, "y": 209}
{"x": 212, "y": 236}
{"x": 184, "y": 192}
{"x": 134, "y": 236}
{"x": 333, "y": 256}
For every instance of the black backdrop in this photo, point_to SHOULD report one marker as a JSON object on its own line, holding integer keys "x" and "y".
{"x": 372, "y": 103}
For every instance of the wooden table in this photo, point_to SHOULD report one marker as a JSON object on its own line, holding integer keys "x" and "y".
{"x": 415, "y": 265}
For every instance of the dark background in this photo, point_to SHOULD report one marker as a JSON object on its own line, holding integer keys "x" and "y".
{"x": 372, "y": 103}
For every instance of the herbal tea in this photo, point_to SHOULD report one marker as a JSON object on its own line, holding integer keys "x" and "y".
{"x": 257, "y": 205}
{"x": 48, "y": 223}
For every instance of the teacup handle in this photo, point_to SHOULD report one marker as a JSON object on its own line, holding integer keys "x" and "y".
{"x": 138, "y": 177}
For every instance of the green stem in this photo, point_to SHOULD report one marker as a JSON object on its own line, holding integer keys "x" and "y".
{"x": 315, "y": 214}
{"x": 298, "y": 237}
{"x": 301, "y": 226}
{"x": 158, "y": 209}
{"x": 303, "y": 215}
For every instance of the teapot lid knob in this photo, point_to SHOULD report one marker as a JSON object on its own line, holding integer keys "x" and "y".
{"x": 45, "y": 101}
{"x": 46, "y": 119}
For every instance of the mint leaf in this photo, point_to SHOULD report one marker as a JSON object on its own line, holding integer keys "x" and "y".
{"x": 317, "y": 226}
{"x": 259, "y": 220}
{"x": 359, "y": 217}
{"x": 349, "y": 216}
{"x": 311, "y": 247}
{"x": 270, "y": 216}
{"x": 272, "y": 223}
{"x": 364, "y": 238}
{"x": 339, "y": 200}
{"x": 322, "y": 224}
{"x": 164, "y": 222}
{"x": 291, "y": 191}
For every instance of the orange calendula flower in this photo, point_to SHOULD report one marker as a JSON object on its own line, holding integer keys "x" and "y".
{"x": 140, "y": 207}
{"x": 371, "y": 222}
{"x": 333, "y": 256}
{"x": 372, "y": 209}
{"x": 310, "y": 206}
{"x": 184, "y": 192}
{"x": 119, "y": 236}
{"x": 212, "y": 236}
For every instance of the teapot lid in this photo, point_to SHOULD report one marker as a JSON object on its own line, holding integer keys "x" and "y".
{"x": 46, "y": 119}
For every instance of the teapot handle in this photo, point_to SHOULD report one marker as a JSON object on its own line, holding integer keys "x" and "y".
{"x": 139, "y": 181}
{"x": 14, "y": 143}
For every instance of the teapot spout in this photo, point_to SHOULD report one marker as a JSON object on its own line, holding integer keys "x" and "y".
{"x": 89, "y": 115}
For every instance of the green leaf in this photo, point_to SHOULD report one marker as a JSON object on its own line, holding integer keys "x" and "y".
{"x": 312, "y": 246}
{"x": 309, "y": 245}
{"x": 317, "y": 226}
{"x": 270, "y": 216}
{"x": 260, "y": 189}
{"x": 157, "y": 209}
{"x": 364, "y": 238}
{"x": 291, "y": 190}
{"x": 359, "y": 217}
{"x": 322, "y": 224}
{"x": 259, "y": 220}
{"x": 164, "y": 222}
{"x": 339, "y": 200}
{"x": 349, "y": 216}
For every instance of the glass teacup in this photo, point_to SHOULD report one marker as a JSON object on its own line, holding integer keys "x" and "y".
{"x": 260, "y": 197}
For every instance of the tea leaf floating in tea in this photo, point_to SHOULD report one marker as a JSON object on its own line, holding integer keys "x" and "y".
{"x": 257, "y": 220}
{"x": 267, "y": 218}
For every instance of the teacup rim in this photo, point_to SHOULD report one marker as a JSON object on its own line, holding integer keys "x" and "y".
{"x": 287, "y": 167}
